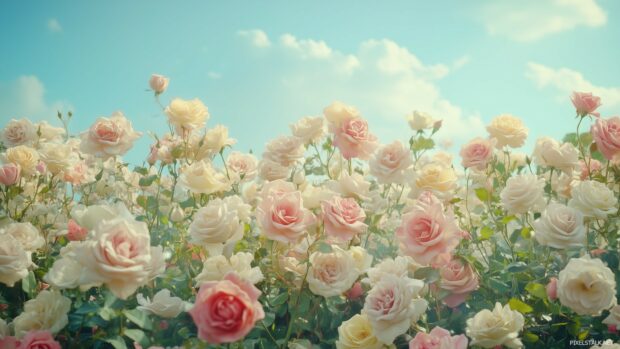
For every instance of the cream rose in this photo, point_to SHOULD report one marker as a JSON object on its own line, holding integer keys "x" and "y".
{"x": 66, "y": 270}
{"x": 498, "y": 327}
{"x": 331, "y": 274}
{"x": 14, "y": 261}
{"x": 391, "y": 163}
{"x": 337, "y": 112}
{"x": 215, "y": 268}
{"x": 49, "y": 133}
{"x": 419, "y": 121}
{"x": 57, "y": 157}
{"x": 88, "y": 217}
{"x": 286, "y": 150}
{"x": 401, "y": 266}
{"x": 309, "y": 129}
{"x": 613, "y": 319}
{"x": 550, "y": 153}
{"x": 560, "y": 226}
{"x": 593, "y": 199}
{"x": 392, "y": 305}
{"x": 18, "y": 132}
{"x": 271, "y": 171}
{"x": 357, "y": 333}
{"x": 201, "y": 178}
{"x": 27, "y": 235}
{"x": 25, "y": 157}
{"x": 109, "y": 136}
{"x": 587, "y": 286}
{"x": 361, "y": 257}
{"x": 163, "y": 304}
{"x": 187, "y": 115}
{"x": 508, "y": 130}
{"x": 48, "y": 311}
{"x": 523, "y": 193}
{"x": 213, "y": 142}
{"x": 350, "y": 185}
{"x": 436, "y": 178}
{"x": 243, "y": 165}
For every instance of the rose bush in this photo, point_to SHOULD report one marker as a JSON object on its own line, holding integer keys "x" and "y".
{"x": 331, "y": 238}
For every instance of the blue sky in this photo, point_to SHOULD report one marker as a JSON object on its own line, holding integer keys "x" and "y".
{"x": 260, "y": 65}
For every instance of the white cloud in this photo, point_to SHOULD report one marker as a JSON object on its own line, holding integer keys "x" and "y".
{"x": 530, "y": 20}
{"x": 214, "y": 75}
{"x": 308, "y": 48}
{"x": 25, "y": 97}
{"x": 257, "y": 37}
{"x": 564, "y": 81}
{"x": 53, "y": 25}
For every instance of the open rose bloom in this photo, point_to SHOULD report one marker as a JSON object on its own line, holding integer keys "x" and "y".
{"x": 326, "y": 236}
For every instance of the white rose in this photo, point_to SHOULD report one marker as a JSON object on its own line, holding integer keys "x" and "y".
{"x": 187, "y": 115}
{"x": 357, "y": 333}
{"x": 48, "y": 312}
{"x": 26, "y": 157}
{"x": 392, "y": 305}
{"x": 27, "y": 235}
{"x": 560, "y": 226}
{"x": 613, "y": 319}
{"x": 401, "y": 266}
{"x": 243, "y": 165}
{"x": 508, "y": 130}
{"x": 331, "y": 274}
{"x": 523, "y": 193}
{"x": 337, "y": 112}
{"x": 215, "y": 268}
{"x": 391, "y": 163}
{"x": 51, "y": 134}
{"x": 89, "y": 216}
{"x": 163, "y": 304}
{"x": 57, "y": 157}
{"x": 309, "y": 129}
{"x": 587, "y": 286}
{"x": 18, "y": 132}
{"x": 350, "y": 185}
{"x": 313, "y": 195}
{"x": 213, "y": 142}
{"x": 593, "y": 199}
{"x": 217, "y": 226}
{"x": 285, "y": 150}
{"x": 201, "y": 177}
{"x": 66, "y": 270}
{"x": 501, "y": 326}
{"x": 420, "y": 120}
{"x": 361, "y": 257}
{"x": 14, "y": 261}
{"x": 549, "y": 152}
{"x": 271, "y": 171}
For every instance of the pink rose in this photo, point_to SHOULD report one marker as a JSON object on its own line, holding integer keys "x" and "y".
{"x": 438, "y": 338}
{"x": 158, "y": 83}
{"x": 595, "y": 166}
{"x": 225, "y": 311}
{"x": 9, "y": 342}
{"x": 459, "y": 279}
{"x": 77, "y": 174}
{"x": 585, "y": 103}
{"x": 343, "y": 218}
{"x": 355, "y": 292}
{"x": 427, "y": 232}
{"x": 75, "y": 232}
{"x": 109, "y": 136}
{"x": 552, "y": 289}
{"x": 38, "y": 340}
{"x": 477, "y": 153}
{"x": 606, "y": 134}
{"x": 9, "y": 174}
{"x": 353, "y": 139}
{"x": 282, "y": 216}
{"x": 391, "y": 163}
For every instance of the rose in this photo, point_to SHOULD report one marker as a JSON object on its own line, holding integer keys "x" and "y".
{"x": 75, "y": 232}
{"x": 212, "y": 143}
{"x": 436, "y": 178}
{"x": 215, "y": 268}
{"x": 219, "y": 225}
{"x": 350, "y": 185}
{"x": 243, "y": 165}
{"x": 187, "y": 115}
{"x": 18, "y": 132}
{"x": 271, "y": 171}
{"x": 9, "y": 174}
{"x": 508, "y": 130}
{"x": 286, "y": 150}
{"x": 560, "y": 226}
{"x": 523, "y": 193}
{"x": 163, "y": 304}
{"x": 587, "y": 286}
{"x": 390, "y": 163}
{"x": 552, "y": 289}
{"x": 25, "y": 157}
{"x": 226, "y": 311}
{"x": 66, "y": 271}
{"x": 27, "y": 235}
{"x": 392, "y": 305}
{"x": 401, "y": 266}
{"x": 353, "y": 139}
{"x": 89, "y": 217}
{"x": 549, "y": 152}
{"x": 38, "y": 340}
{"x": 49, "y": 133}
{"x": 333, "y": 273}
{"x": 78, "y": 174}
{"x": 337, "y": 112}
{"x": 606, "y": 135}
{"x": 361, "y": 257}
{"x": 419, "y": 121}
{"x": 459, "y": 279}
{"x": 438, "y": 338}
{"x": 48, "y": 311}
{"x": 477, "y": 153}
{"x": 613, "y": 319}
{"x": 585, "y": 103}
{"x": 593, "y": 199}
{"x": 57, "y": 157}
{"x": 501, "y": 326}
{"x": 14, "y": 261}
{"x": 343, "y": 218}
{"x": 201, "y": 178}
{"x": 309, "y": 129}
{"x": 109, "y": 136}
{"x": 426, "y": 233}
{"x": 586, "y": 169}
{"x": 282, "y": 216}
{"x": 158, "y": 83}
{"x": 357, "y": 333}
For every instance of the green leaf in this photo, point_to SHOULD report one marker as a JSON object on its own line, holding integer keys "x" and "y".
{"x": 137, "y": 336}
{"x": 279, "y": 299}
{"x": 147, "y": 181}
{"x": 530, "y": 337}
{"x": 519, "y": 306}
{"x": 428, "y": 274}
{"x": 526, "y": 232}
{"x": 507, "y": 219}
{"x": 482, "y": 194}
{"x": 516, "y": 267}
{"x": 117, "y": 342}
{"x": 486, "y": 233}
{"x": 29, "y": 284}
{"x": 423, "y": 143}
{"x": 139, "y": 318}
{"x": 536, "y": 290}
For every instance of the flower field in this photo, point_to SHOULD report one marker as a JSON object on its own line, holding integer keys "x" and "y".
{"x": 330, "y": 238}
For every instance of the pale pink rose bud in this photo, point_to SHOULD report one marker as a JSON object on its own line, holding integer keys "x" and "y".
{"x": 43, "y": 286}
{"x": 9, "y": 174}
{"x": 595, "y": 166}
{"x": 41, "y": 167}
{"x": 158, "y": 83}
{"x": 585, "y": 103}
{"x": 437, "y": 125}
{"x": 606, "y": 135}
{"x": 552, "y": 289}
{"x": 75, "y": 232}
{"x": 355, "y": 292}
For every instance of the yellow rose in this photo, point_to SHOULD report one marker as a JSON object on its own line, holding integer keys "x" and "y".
{"x": 187, "y": 114}
{"x": 508, "y": 130}
{"x": 436, "y": 178}
{"x": 26, "y": 157}
{"x": 357, "y": 333}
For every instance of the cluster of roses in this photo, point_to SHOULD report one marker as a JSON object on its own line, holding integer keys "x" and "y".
{"x": 353, "y": 219}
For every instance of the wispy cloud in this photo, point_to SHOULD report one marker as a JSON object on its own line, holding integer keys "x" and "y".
{"x": 257, "y": 37}
{"x": 25, "y": 97}
{"x": 53, "y": 25}
{"x": 530, "y": 20}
